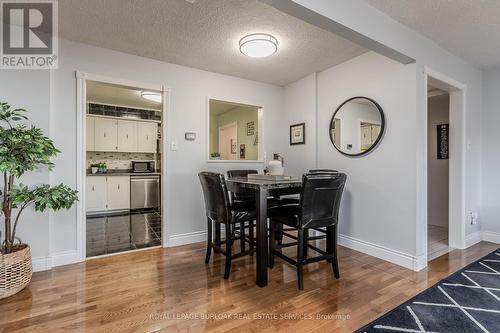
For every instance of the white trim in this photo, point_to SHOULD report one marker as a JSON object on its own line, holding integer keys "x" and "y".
{"x": 458, "y": 92}
{"x": 473, "y": 238}
{"x": 41, "y": 264}
{"x": 394, "y": 256}
{"x": 491, "y": 236}
{"x": 187, "y": 238}
{"x": 65, "y": 258}
{"x": 261, "y": 155}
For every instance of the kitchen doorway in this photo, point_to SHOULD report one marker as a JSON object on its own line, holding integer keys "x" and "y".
{"x": 122, "y": 177}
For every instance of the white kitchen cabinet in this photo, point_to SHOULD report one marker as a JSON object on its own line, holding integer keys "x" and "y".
{"x": 90, "y": 134}
{"x": 118, "y": 192}
{"x": 96, "y": 194}
{"x": 127, "y": 136}
{"x": 106, "y": 134}
{"x": 147, "y": 134}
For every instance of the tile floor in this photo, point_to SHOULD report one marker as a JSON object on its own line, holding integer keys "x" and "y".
{"x": 437, "y": 241}
{"x": 122, "y": 232}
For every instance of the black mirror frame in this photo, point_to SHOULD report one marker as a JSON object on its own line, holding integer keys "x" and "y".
{"x": 382, "y": 127}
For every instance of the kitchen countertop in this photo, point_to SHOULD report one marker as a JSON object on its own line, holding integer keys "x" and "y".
{"x": 123, "y": 173}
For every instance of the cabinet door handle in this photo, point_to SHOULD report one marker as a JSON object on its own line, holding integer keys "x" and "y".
{"x": 104, "y": 134}
{"x": 93, "y": 189}
{"x": 126, "y": 136}
{"x": 118, "y": 186}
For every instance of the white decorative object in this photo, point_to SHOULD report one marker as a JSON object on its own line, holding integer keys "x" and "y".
{"x": 275, "y": 167}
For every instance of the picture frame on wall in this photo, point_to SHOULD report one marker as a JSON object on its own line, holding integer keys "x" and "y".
{"x": 298, "y": 134}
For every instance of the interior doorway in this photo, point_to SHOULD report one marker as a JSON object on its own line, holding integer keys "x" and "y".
{"x": 228, "y": 141}
{"x": 121, "y": 165}
{"x": 438, "y": 120}
{"x": 445, "y": 146}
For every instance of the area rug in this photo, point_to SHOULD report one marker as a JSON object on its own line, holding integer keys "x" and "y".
{"x": 467, "y": 301}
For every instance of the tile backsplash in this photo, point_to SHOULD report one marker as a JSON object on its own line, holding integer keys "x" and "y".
{"x": 117, "y": 161}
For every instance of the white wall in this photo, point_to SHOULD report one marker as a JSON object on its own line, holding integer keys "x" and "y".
{"x": 30, "y": 90}
{"x": 363, "y": 19}
{"x": 490, "y": 210}
{"x": 300, "y": 107}
{"x": 53, "y": 104}
{"x": 438, "y": 170}
{"x": 379, "y": 195}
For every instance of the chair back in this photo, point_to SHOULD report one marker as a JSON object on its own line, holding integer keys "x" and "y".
{"x": 320, "y": 199}
{"x": 322, "y": 170}
{"x": 217, "y": 205}
{"x": 244, "y": 174}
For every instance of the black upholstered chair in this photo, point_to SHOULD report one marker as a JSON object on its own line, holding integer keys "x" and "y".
{"x": 295, "y": 200}
{"x": 318, "y": 210}
{"x": 219, "y": 210}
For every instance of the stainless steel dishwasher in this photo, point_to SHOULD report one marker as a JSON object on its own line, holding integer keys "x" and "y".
{"x": 145, "y": 192}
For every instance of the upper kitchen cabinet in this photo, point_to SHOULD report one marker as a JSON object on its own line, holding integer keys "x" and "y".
{"x": 106, "y": 134}
{"x": 120, "y": 135}
{"x": 90, "y": 133}
{"x": 127, "y": 136}
{"x": 147, "y": 135}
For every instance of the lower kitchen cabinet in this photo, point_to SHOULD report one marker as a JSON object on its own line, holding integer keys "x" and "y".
{"x": 104, "y": 193}
{"x": 96, "y": 194}
{"x": 118, "y": 192}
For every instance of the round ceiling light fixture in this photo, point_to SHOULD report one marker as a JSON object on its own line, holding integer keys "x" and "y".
{"x": 151, "y": 96}
{"x": 259, "y": 45}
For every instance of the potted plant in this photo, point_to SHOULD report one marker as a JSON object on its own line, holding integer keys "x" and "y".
{"x": 22, "y": 149}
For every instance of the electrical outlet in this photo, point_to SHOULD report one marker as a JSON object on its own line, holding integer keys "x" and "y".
{"x": 473, "y": 217}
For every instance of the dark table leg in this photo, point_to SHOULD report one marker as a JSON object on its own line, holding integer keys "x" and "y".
{"x": 261, "y": 205}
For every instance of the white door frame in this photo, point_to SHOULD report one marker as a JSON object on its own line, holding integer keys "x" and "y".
{"x": 233, "y": 124}
{"x": 81, "y": 109}
{"x": 457, "y": 150}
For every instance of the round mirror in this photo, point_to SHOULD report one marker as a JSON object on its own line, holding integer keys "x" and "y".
{"x": 357, "y": 126}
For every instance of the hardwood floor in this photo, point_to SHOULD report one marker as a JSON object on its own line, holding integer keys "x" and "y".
{"x": 155, "y": 290}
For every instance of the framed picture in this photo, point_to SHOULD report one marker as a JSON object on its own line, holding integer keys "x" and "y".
{"x": 298, "y": 134}
{"x": 233, "y": 146}
{"x": 443, "y": 133}
{"x": 250, "y": 128}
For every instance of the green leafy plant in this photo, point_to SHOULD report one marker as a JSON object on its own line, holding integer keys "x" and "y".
{"x": 23, "y": 149}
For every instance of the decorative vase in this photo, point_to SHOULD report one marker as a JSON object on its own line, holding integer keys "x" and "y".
{"x": 15, "y": 271}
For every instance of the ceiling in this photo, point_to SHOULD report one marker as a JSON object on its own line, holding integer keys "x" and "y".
{"x": 118, "y": 95}
{"x": 466, "y": 28}
{"x": 204, "y": 34}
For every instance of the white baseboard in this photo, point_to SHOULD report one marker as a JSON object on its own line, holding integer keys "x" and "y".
{"x": 65, "y": 258}
{"x": 384, "y": 253}
{"x": 57, "y": 259}
{"x": 491, "y": 236}
{"x": 41, "y": 263}
{"x": 187, "y": 238}
{"x": 473, "y": 238}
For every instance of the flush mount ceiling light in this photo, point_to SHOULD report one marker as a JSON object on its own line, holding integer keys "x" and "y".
{"x": 151, "y": 96}
{"x": 258, "y": 45}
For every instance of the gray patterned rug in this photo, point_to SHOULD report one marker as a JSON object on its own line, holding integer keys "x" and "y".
{"x": 467, "y": 301}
